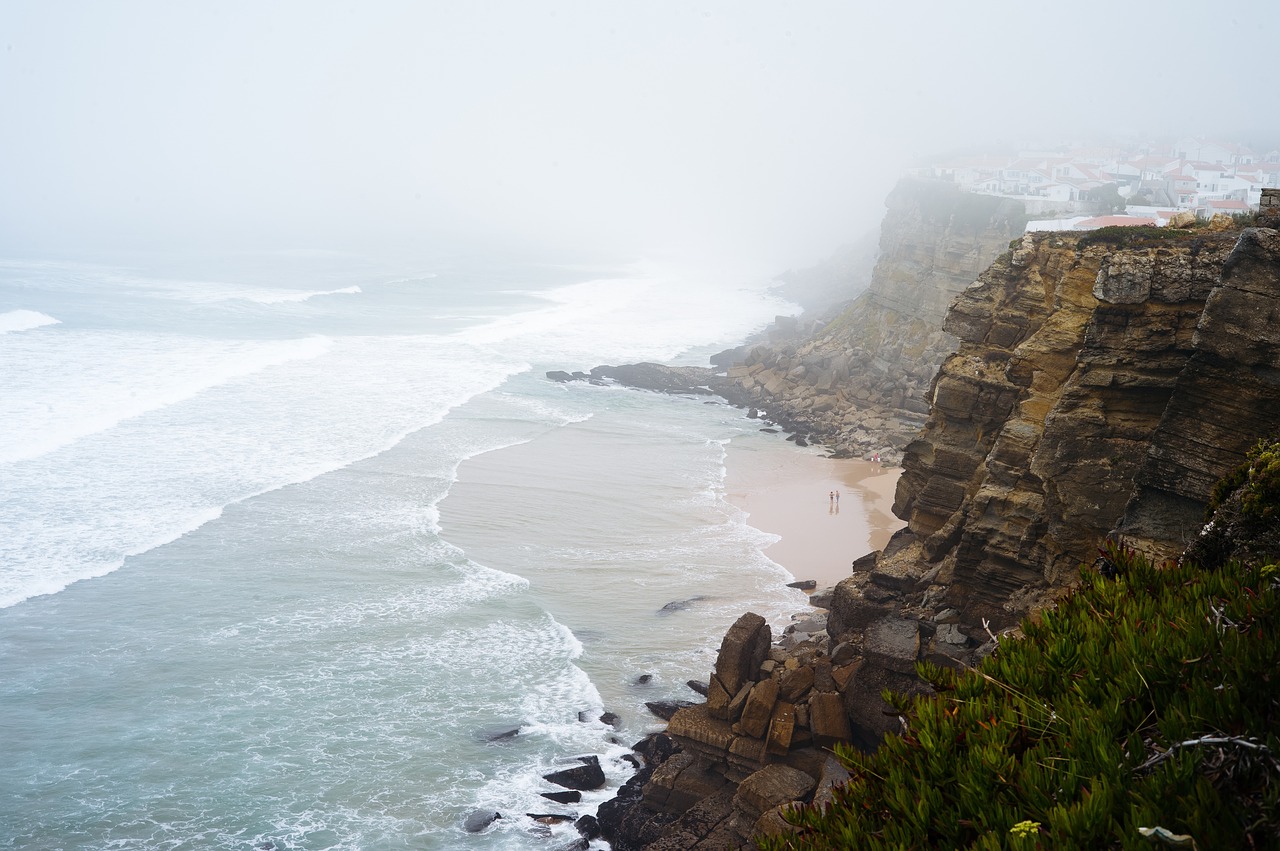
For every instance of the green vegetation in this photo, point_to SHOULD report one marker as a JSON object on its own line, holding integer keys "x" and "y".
{"x": 1245, "y": 512}
{"x": 1127, "y": 236}
{"x": 1143, "y": 709}
{"x": 1108, "y": 198}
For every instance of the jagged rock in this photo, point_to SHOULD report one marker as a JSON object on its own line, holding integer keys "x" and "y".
{"x": 665, "y": 709}
{"x": 770, "y": 787}
{"x": 612, "y": 720}
{"x": 795, "y": 683}
{"x": 950, "y": 634}
{"x": 833, "y": 774}
{"x": 656, "y": 748}
{"x": 660, "y": 378}
{"x": 583, "y": 777}
{"x": 699, "y": 686}
{"x": 550, "y": 818}
{"x": 681, "y": 782}
{"x": 625, "y": 823}
{"x": 758, "y": 709}
{"x": 744, "y": 647}
{"x": 782, "y": 727}
{"x": 827, "y": 719}
{"x": 588, "y": 826}
{"x": 571, "y": 797}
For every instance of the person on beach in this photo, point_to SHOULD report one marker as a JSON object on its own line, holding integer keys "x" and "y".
{"x": 837, "y": 497}
{"x": 831, "y": 497}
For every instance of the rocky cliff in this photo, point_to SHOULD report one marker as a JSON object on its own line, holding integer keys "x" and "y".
{"x": 1099, "y": 385}
{"x": 1102, "y": 384}
{"x": 857, "y": 384}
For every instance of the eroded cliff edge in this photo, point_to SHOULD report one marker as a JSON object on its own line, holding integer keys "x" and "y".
{"x": 857, "y": 384}
{"x": 1100, "y": 384}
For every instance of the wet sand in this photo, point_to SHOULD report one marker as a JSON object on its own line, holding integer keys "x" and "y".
{"x": 786, "y": 491}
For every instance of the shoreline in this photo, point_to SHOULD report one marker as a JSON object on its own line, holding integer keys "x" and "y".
{"x": 785, "y": 491}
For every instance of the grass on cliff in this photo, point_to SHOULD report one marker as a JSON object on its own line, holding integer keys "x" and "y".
{"x": 1143, "y": 711}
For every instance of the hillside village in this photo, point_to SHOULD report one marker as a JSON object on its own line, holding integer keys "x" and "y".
{"x": 1151, "y": 183}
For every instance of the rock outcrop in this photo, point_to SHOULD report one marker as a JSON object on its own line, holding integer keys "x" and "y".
{"x": 858, "y": 383}
{"x": 1102, "y": 382}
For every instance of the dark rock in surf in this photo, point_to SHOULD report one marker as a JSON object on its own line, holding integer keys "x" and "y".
{"x": 498, "y": 734}
{"x": 584, "y": 778}
{"x": 644, "y": 679}
{"x": 559, "y": 375}
{"x": 479, "y": 820}
{"x": 550, "y": 818}
{"x": 699, "y": 686}
{"x": 588, "y": 826}
{"x": 571, "y": 797}
{"x": 656, "y": 748}
{"x": 664, "y": 709}
{"x": 804, "y": 584}
{"x": 612, "y": 720}
{"x": 680, "y": 605}
{"x": 660, "y": 378}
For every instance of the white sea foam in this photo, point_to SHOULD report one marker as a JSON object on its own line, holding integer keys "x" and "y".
{"x": 54, "y": 392}
{"x": 653, "y": 315}
{"x": 284, "y": 296}
{"x": 77, "y": 511}
{"x": 24, "y": 320}
{"x": 210, "y": 292}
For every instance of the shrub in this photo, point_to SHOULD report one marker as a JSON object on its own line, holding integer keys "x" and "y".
{"x": 1144, "y": 704}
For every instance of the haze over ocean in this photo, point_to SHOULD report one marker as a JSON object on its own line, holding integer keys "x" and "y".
{"x": 231, "y": 613}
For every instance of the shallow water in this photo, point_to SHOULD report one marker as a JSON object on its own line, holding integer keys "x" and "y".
{"x": 283, "y": 545}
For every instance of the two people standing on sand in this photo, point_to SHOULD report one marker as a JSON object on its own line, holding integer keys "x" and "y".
{"x": 834, "y": 497}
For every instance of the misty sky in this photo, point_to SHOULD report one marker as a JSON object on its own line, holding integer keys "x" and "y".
{"x": 760, "y": 131}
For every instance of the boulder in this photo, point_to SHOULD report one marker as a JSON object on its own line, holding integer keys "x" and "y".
{"x": 758, "y": 709}
{"x": 771, "y": 786}
{"x": 827, "y": 719}
{"x": 571, "y": 797}
{"x": 782, "y": 727}
{"x": 664, "y": 709}
{"x": 584, "y": 778}
{"x": 479, "y": 820}
{"x": 588, "y": 826}
{"x": 744, "y": 647}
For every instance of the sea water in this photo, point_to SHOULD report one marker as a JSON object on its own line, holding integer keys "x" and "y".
{"x": 288, "y": 542}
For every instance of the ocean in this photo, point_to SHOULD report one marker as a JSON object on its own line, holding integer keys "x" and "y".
{"x": 288, "y": 540}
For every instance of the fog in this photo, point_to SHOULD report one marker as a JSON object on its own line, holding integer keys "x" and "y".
{"x": 764, "y": 133}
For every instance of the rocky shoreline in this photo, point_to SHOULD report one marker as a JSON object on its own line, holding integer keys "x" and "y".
{"x": 1085, "y": 368}
{"x": 1091, "y": 386}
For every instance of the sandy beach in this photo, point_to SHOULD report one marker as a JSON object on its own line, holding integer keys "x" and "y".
{"x": 787, "y": 490}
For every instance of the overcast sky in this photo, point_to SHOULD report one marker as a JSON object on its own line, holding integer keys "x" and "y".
{"x": 768, "y": 131}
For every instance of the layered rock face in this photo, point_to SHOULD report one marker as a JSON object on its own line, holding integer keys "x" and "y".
{"x": 1089, "y": 375}
{"x": 1102, "y": 383}
{"x": 858, "y": 383}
